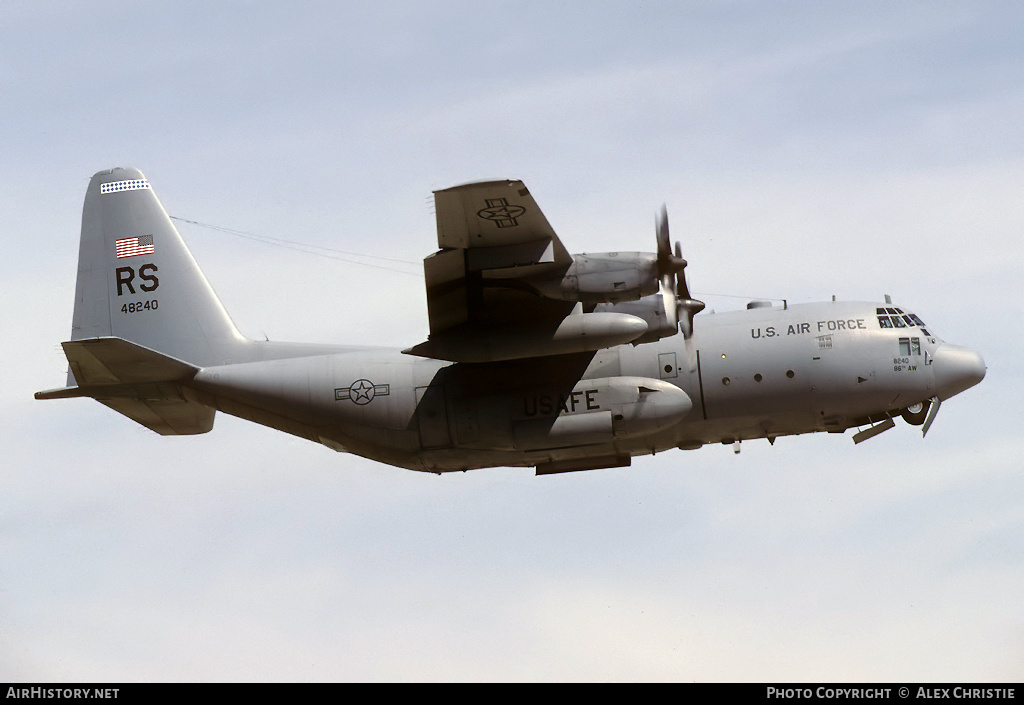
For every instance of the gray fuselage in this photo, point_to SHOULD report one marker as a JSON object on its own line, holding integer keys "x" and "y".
{"x": 763, "y": 372}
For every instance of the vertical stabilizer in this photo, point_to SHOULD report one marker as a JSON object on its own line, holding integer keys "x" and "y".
{"x": 138, "y": 281}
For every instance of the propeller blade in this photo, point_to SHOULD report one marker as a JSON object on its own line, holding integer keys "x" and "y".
{"x": 688, "y": 306}
{"x": 675, "y": 292}
{"x": 669, "y": 302}
{"x": 682, "y": 290}
{"x": 667, "y": 261}
{"x": 661, "y": 233}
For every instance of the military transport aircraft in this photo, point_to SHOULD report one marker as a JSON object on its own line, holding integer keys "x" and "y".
{"x": 535, "y": 357}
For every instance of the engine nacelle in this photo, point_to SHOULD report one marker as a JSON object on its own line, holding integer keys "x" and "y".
{"x": 610, "y": 277}
{"x": 595, "y": 411}
{"x": 652, "y": 310}
{"x": 600, "y": 410}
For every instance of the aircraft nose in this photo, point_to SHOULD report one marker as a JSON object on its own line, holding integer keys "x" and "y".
{"x": 956, "y": 369}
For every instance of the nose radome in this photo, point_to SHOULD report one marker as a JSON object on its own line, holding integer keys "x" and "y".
{"x": 956, "y": 369}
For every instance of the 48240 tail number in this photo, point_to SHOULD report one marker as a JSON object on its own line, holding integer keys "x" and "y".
{"x": 140, "y": 306}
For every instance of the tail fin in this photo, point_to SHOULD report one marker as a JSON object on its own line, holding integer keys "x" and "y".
{"x": 138, "y": 281}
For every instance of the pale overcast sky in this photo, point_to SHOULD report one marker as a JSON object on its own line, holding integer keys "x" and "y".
{"x": 804, "y": 149}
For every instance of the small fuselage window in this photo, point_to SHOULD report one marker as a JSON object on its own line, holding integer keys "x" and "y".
{"x": 910, "y": 346}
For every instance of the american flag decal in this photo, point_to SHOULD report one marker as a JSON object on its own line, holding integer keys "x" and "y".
{"x": 134, "y": 246}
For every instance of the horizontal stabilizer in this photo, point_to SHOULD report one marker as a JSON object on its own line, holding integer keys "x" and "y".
{"x": 64, "y": 393}
{"x": 168, "y": 418}
{"x": 116, "y": 361}
{"x": 135, "y": 381}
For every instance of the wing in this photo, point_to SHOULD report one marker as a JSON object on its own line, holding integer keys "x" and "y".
{"x": 493, "y": 214}
{"x": 498, "y": 253}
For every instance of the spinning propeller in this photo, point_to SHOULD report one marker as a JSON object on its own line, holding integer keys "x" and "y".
{"x": 673, "y": 287}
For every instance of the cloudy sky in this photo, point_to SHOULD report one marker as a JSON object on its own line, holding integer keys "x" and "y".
{"x": 804, "y": 150}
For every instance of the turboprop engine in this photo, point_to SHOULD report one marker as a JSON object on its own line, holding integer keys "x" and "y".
{"x": 666, "y": 306}
{"x": 610, "y": 277}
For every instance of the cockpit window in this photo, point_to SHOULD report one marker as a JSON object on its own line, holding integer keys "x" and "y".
{"x": 890, "y": 317}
